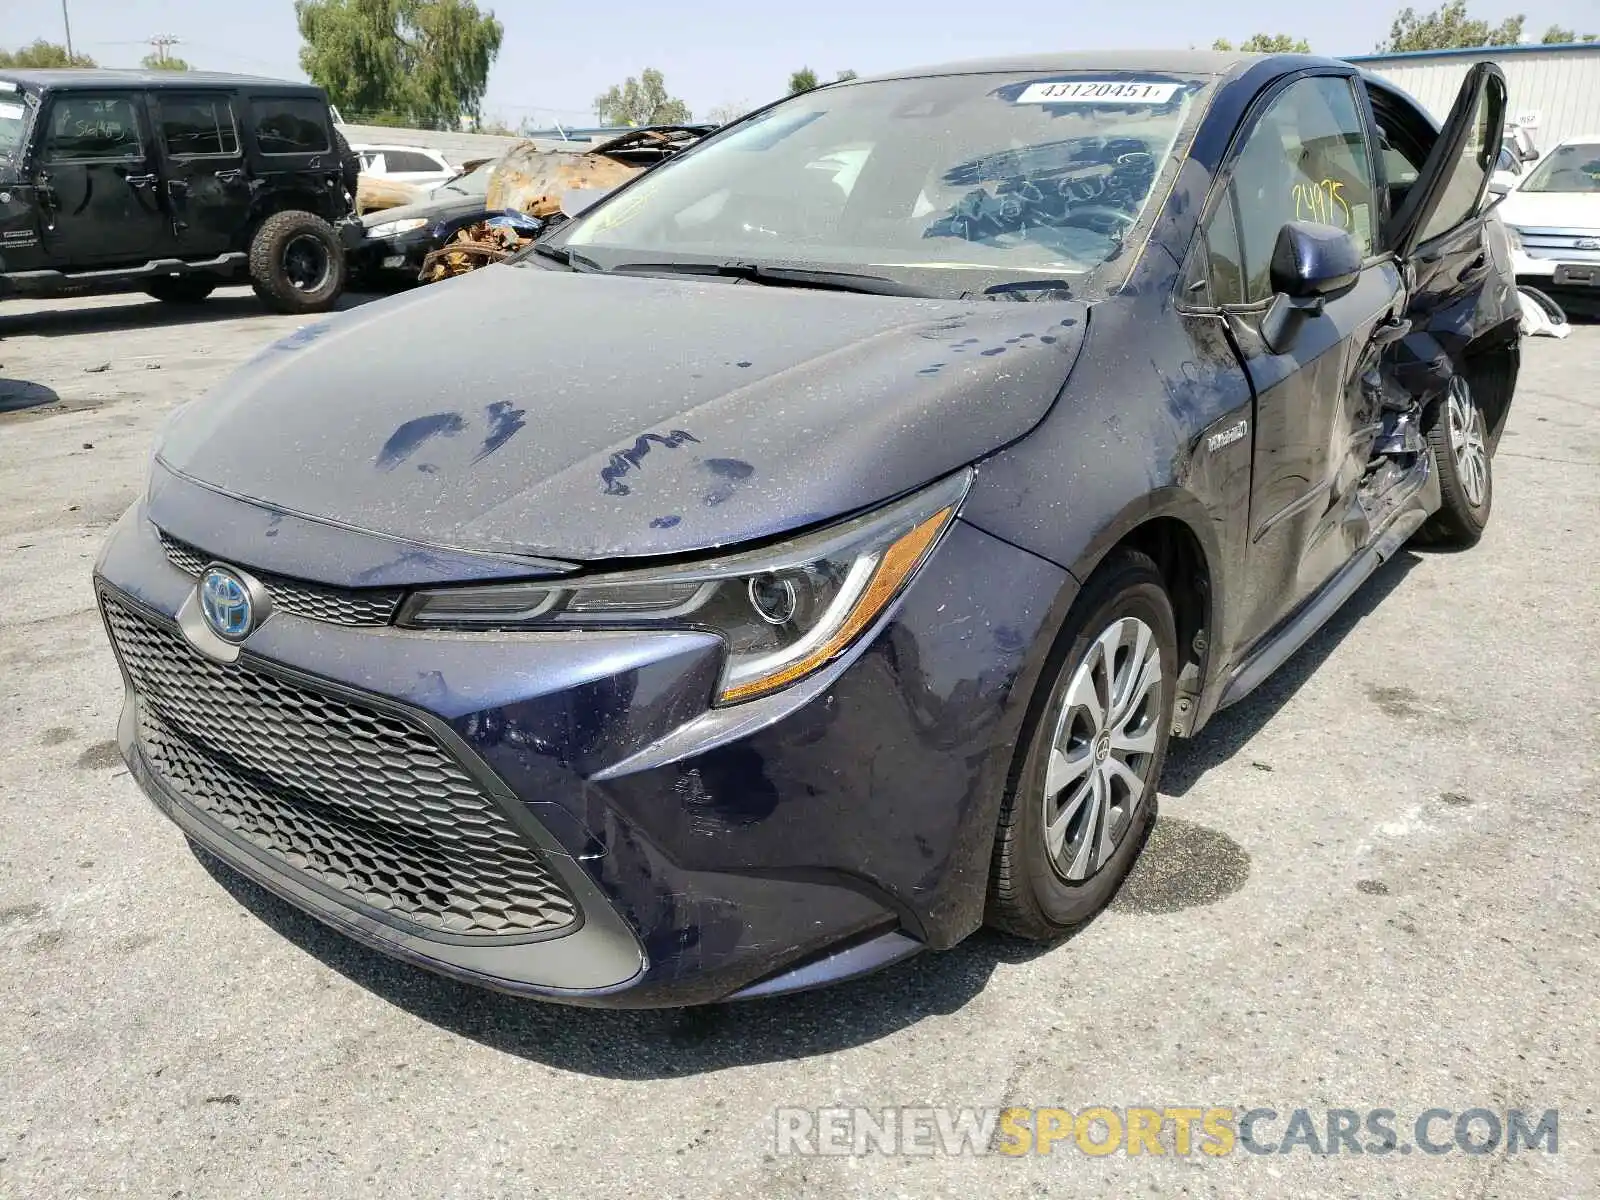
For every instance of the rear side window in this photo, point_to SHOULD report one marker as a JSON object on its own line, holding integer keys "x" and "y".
{"x": 408, "y": 160}
{"x": 95, "y": 125}
{"x": 196, "y": 125}
{"x": 291, "y": 125}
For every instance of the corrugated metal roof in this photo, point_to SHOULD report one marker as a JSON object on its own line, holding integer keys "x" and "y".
{"x": 1477, "y": 51}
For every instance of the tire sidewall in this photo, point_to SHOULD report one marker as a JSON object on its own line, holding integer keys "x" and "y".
{"x": 1470, "y": 518}
{"x": 1064, "y": 904}
{"x": 267, "y": 267}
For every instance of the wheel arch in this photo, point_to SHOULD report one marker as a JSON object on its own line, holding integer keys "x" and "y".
{"x": 1174, "y": 529}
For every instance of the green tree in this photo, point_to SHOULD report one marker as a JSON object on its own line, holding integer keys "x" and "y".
{"x": 1266, "y": 43}
{"x": 423, "y": 62}
{"x": 1557, "y": 36}
{"x": 845, "y": 75}
{"x": 43, "y": 54}
{"x": 1448, "y": 28}
{"x": 158, "y": 62}
{"x": 642, "y": 101}
{"x": 802, "y": 80}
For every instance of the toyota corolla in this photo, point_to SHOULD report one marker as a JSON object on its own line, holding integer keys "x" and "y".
{"x": 805, "y": 556}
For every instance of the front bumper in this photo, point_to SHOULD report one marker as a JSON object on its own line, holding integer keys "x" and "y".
{"x": 704, "y": 857}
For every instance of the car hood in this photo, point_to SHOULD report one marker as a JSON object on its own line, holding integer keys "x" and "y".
{"x": 589, "y": 417}
{"x": 428, "y": 210}
{"x": 1551, "y": 210}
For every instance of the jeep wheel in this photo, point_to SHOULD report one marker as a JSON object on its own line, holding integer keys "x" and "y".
{"x": 296, "y": 263}
{"x": 181, "y": 290}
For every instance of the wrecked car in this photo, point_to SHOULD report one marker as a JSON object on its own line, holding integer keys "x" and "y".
{"x": 805, "y": 555}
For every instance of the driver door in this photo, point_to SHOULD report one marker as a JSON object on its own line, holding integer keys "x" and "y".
{"x": 1303, "y": 154}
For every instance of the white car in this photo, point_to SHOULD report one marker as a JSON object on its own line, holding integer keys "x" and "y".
{"x": 416, "y": 165}
{"x": 1553, "y": 214}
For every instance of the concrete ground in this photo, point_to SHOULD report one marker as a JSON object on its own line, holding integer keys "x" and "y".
{"x": 1372, "y": 886}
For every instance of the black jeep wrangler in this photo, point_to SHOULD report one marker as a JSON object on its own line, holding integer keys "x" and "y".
{"x": 173, "y": 184}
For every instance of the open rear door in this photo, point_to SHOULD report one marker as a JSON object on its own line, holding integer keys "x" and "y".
{"x": 1455, "y": 180}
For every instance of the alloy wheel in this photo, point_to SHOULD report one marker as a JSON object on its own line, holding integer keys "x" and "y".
{"x": 1104, "y": 745}
{"x": 1464, "y": 421}
{"x": 306, "y": 263}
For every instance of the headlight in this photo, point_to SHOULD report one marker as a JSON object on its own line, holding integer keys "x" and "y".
{"x": 784, "y": 611}
{"x": 392, "y": 228}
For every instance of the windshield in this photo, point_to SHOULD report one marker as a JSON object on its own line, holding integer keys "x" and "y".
{"x": 957, "y": 182}
{"x": 1574, "y": 167}
{"x": 13, "y": 123}
{"x": 469, "y": 183}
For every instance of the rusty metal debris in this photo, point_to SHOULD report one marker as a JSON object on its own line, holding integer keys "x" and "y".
{"x": 473, "y": 247}
{"x": 532, "y": 178}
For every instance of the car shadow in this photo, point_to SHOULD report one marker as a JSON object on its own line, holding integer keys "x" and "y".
{"x": 649, "y": 1043}
{"x": 1232, "y": 729}
{"x": 19, "y": 395}
{"x": 144, "y": 314}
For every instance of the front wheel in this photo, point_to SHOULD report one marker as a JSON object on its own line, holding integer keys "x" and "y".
{"x": 1079, "y": 807}
{"x": 1460, "y": 444}
{"x": 297, "y": 264}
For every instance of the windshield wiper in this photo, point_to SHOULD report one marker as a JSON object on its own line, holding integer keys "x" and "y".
{"x": 1016, "y": 287}
{"x": 806, "y": 277}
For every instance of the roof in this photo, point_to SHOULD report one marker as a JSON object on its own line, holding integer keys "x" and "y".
{"x": 1479, "y": 52}
{"x": 1176, "y": 62}
{"x": 106, "y": 78}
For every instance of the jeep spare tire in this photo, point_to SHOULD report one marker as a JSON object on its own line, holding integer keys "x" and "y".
{"x": 296, "y": 263}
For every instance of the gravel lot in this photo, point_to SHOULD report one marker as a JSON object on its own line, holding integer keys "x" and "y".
{"x": 1372, "y": 886}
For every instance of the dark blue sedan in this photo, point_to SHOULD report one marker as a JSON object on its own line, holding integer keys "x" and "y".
{"x": 805, "y": 556}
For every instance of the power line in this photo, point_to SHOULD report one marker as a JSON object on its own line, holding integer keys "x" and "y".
{"x": 160, "y": 42}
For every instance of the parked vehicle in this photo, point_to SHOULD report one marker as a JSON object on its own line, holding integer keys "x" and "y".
{"x": 509, "y": 199}
{"x": 780, "y": 570}
{"x": 416, "y": 165}
{"x": 1554, "y": 215}
{"x": 173, "y": 184}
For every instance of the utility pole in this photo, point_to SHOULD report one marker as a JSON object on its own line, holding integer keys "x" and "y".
{"x": 67, "y": 21}
{"x": 160, "y": 42}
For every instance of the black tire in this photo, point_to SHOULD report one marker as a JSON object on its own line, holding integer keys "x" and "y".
{"x": 349, "y": 163}
{"x": 1030, "y": 894}
{"x": 296, "y": 263}
{"x": 1459, "y": 441}
{"x": 181, "y": 290}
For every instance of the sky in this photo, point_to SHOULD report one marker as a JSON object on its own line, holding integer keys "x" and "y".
{"x": 554, "y": 61}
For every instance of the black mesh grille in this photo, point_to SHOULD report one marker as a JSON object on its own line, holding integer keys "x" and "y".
{"x": 340, "y": 606}
{"x": 365, "y": 802}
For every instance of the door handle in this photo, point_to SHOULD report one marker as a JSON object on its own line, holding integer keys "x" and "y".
{"x": 1391, "y": 330}
{"x": 139, "y": 181}
{"x": 1473, "y": 267}
{"x": 230, "y": 176}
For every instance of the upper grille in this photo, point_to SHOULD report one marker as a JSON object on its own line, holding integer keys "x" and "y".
{"x": 365, "y": 802}
{"x": 365, "y": 606}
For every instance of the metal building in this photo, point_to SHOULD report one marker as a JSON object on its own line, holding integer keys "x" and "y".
{"x": 1557, "y": 86}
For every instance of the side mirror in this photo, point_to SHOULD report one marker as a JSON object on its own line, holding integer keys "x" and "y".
{"x": 1311, "y": 264}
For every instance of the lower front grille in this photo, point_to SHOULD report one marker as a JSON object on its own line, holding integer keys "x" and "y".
{"x": 364, "y": 802}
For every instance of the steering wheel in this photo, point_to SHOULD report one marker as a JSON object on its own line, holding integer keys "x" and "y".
{"x": 1101, "y": 218}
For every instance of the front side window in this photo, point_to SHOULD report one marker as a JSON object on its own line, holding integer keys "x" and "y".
{"x": 1305, "y": 160}
{"x": 1574, "y": 167}
{"x": 14, "y": 113}
{"x": 197, "y": 125}
{"x": 291, "y": 125}
{"x": 956, "y": 182}
{"x": 93, "y": 126}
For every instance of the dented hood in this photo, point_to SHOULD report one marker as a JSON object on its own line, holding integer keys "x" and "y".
{"x": 587, "y": 417}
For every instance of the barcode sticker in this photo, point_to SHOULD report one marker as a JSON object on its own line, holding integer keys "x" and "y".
{"x": 1097, "y": 91}
{"x": 13, "y": 111}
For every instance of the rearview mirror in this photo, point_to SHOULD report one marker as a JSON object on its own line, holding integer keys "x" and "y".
{"x": 1311, "y": 264}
